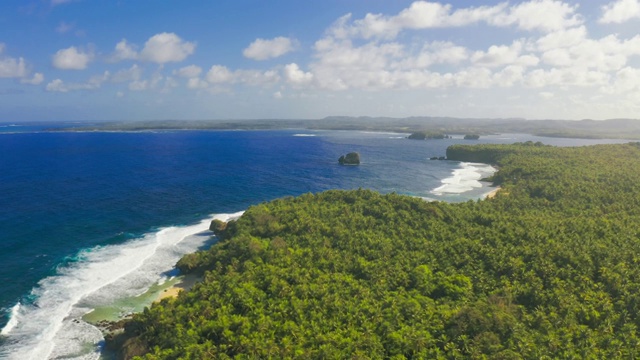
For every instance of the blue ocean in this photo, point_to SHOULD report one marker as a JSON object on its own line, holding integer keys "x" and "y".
{"x": 91, "y": 219}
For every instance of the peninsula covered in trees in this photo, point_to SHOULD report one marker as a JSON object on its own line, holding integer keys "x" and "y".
{"x": 614, "y": 128}
{"x": 548, "y": 268}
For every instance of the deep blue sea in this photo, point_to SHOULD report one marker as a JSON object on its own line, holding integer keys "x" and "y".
{"x": 88, "y": 219}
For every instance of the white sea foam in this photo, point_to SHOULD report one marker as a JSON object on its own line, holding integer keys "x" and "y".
{"x": 304, "y": 135}
{"x": 464, "y": 179}
{"x": 52, "y": 328}
{"x": 12, "y": 320}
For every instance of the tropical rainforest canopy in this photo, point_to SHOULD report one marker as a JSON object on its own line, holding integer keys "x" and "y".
{"x": 549, "y": 268}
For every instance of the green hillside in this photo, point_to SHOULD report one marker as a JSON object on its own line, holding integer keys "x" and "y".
{"x": 546, "y": 269}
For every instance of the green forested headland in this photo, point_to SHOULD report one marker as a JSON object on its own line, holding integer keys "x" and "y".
{"x": 546, "y": 269}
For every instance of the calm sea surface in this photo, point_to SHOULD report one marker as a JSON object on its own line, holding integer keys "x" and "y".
{"x": 89, "y": 219}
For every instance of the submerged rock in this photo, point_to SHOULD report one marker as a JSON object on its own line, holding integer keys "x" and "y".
{"x": 352, "y": 158}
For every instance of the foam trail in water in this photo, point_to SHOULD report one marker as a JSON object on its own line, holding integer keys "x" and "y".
{"x": 51, "y": 327}
{"x": 464, "y": 179}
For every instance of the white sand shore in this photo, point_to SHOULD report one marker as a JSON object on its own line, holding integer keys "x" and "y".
{"x": 492, "y": 193}
{"x": 185, "y": 283}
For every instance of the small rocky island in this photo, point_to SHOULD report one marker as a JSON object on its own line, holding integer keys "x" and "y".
{"x": 426, "y": 135}
{"x": 472, "y": 137}
{"x": 352, "y": 158}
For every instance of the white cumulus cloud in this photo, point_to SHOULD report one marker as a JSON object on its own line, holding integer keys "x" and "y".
{"x": 620, "y": 11}
{"x": 192, "y": 74}
{"x": 166, "y": 47}
{"x": 575, "y": 49}
{"x": 500, "y": 55}
{"x": 562, "y": 38}
{"x": 94, "y": 82}
{"x": 567, "y": 76}
{"x": 437, "y": 52}
{"x": 57, "y": 85}
{"x": 123, "y": 51}
{"x": 12, "y": 67}
{"x": 71, "y": 59}
{"x": 533, "y": 15}
{"x": 219, "y": 74}
{"x": 541, "y": 15}
{"x": 37, "y": 79}
{"x": 138, "y": 85}
{"x": 190, "y": 71}
{"x": 197, "y": 83}
{"x": 625, "y": 80}
{"x": 419, "y": 15}
{"x": 256, "y": 77}
{"x": 294, "y": 75}
{"x": 222, "y": 75}
{"x": 125, "y": 75}
{"x": 509, "y": 76}
{"x": 262, "y": 49}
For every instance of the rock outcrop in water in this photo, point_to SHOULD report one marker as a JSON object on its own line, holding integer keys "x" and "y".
{"x": 426, "y": 135}
{"x": 352, "y": 158}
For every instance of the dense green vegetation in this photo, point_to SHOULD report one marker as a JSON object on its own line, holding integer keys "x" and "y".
{"x": 549, "y": 268}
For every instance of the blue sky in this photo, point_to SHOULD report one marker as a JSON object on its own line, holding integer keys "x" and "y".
{"x": 247, "y": 59}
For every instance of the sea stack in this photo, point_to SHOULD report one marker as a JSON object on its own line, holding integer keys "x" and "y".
{"x": 352, "y": 158}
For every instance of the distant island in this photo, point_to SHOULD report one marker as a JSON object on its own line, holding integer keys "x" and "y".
{"x": 424, "y": 135}
{"x": 472, "y": 137}
{"x": 614, "y": 128}
{"x": 547, "y": 268}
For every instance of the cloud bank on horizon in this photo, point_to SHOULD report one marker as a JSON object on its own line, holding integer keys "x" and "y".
{"x": 77, "y": 60}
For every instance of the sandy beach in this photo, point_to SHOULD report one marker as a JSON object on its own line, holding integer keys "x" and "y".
{"x": 492, "y": 193}
{"x": 127, "y": 306}
{"x": 185, "y": 283}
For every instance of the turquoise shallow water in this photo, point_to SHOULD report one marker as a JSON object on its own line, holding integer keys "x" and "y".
{"x": 87, "y": 219}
